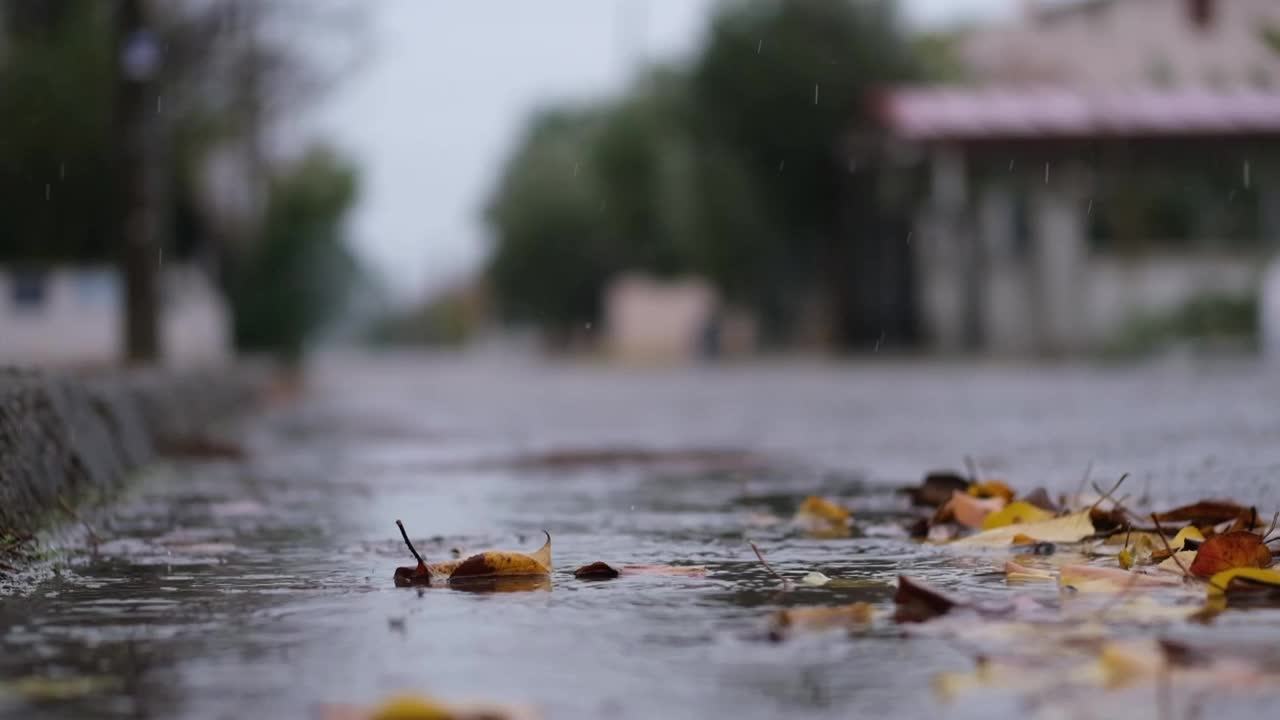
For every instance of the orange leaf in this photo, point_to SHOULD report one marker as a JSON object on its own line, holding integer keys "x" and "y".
{"x": 1238, "y": 549}
{"x": 992, "y": 489}
{"x": 968, "y": 510}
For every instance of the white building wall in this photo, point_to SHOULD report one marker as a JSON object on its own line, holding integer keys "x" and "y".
{"x": 79, "y": 320}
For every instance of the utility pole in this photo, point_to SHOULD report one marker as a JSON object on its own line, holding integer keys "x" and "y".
{"x": 138, "y": 62}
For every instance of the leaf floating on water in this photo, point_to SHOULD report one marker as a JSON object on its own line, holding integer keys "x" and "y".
{"x": 820, "y": 514}
{"x": 1016, "y": 513}
{"x": 1067, "y": 529}
{"x": 917, "y": 601}
{"x": 604, "y": 571}
{"x": 488, "y": 564}
{"x": 417, "y": 707}
{"x": 1238, "y": 549}
{"x": 1109, "y": 579}
{"x": 1244, "y": 579}
{"x": 852, "y": 616}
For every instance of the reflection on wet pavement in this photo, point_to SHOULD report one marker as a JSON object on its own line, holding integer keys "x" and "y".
{"x": 262, "y": 587}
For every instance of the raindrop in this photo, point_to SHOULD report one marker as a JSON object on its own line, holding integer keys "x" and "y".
{"x": 781, "y": 164}
{"x": 1046, "y": 173}
{"x": 879, "y": 340}
{"x": 909, "y": 237}
{"x": 1246, "y": 174}
{"x": 815, "y": 93}
{"x": 586, "y": 326}
{"x": 575, "y": 169}
{"x": 62, "y": 171}
{"x": 159, "y": 103}
{"x": 1010, "y": 166}
{"x": 759, "y": 46}
{"x": 159, "y": 257}
{"x": 1089, "y": 211}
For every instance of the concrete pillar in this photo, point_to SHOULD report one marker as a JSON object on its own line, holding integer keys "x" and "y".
{"x": 1060, "y": 256}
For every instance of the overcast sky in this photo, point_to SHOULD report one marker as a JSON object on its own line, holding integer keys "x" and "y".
{"x": 431, "y": 115}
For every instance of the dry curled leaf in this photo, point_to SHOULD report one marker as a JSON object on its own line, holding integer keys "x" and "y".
{"x": 1244, "y": 579}
{"x": 484, "y": 565}
{"x": 1237, "y": 549}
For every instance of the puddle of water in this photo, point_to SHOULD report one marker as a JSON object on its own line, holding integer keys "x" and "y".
{"x": 263, "y": 588}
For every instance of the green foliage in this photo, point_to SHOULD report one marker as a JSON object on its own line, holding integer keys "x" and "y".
{"x": 1205, "y": 318}
{"x": 733, "y": 169}
{"x": 56, "y": 127}
{"x": 299, "y": 271}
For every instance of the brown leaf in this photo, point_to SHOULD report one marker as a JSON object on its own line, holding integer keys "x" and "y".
{"x": 917, "y": 601}
{"x": 488, "y": 564}
{"x": 1205, "y": 512}
{"x": 1040, "y": 498}
{"x": 936, "y": 489}
{"x": 604, "y": 571}
{"x": 1238, "y": 549}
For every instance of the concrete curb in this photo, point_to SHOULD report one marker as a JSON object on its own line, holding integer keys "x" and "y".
{"x": 65, "y": 438}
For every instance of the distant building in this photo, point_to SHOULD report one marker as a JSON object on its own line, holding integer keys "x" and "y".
{"x": 1074, "y": 191}
{"x": 662, "y": 322}
{"x": 1118, "y": 44}
{"x": 71, "y": 317}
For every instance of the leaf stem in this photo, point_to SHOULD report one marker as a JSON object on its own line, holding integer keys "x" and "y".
{"x": 405, "y": 535}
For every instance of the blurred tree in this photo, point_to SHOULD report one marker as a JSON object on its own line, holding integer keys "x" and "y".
{"x": 550, "y": 262}
{"x": 297, "y": 275}
{"x": 784, "y": 84}
{"x": 735, "y": 169}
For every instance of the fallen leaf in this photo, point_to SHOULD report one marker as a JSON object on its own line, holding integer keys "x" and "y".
{"x": 817, "y": 512}
{"x": 917, "y": 601}
{"x": 1015, "y": 513}
{"x": 815, "y": 579}
{"x": 1109, "y": 579}
{"x": 1238, "y": 549}
{"x": 853, "y": 615}
{"x": 992, "y": 489}
{"x": 605, "y": 571}
{"x": 967, "y": 510}
{"x": 1066, "y": 529}
{"x": 1177, "y": 562}
{"x": 936, "y": 489}
{"x": 1040, "y": 498}
{"x": 417, "y": 707}
{"x": 1205, "y": 512}
{"x": 488, "y": 564}
{"x": 1243, "y": 579}
{"x": 1015, "y": 571}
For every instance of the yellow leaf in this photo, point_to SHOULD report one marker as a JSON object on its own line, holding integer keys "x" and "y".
{"x": 992, "y": 489}
{"x": 1067, "y": 529}
{"x": 1015, "y": 513}
{"x": 488, "y": 564}
{"x": 1125, "y": 558}
{"x": 822, "y": 510}
{"x": 1221, "y": 583}
{"x": 1190, "y": 532}
{"x": 410, "y": 707}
